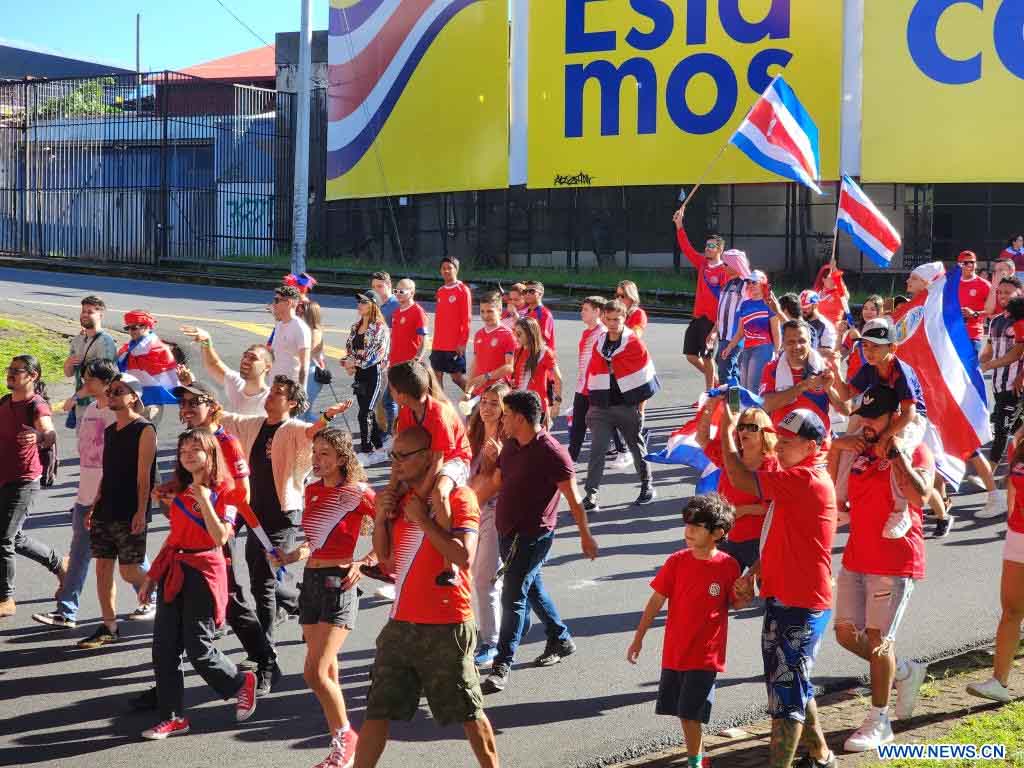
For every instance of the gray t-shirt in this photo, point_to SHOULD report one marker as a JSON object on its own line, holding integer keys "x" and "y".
{"x": 100, "y": 346}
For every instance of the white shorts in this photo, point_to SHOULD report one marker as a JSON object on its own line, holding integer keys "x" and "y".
{"x": 870, "y": 601}
{"x": 1013, "y": 549}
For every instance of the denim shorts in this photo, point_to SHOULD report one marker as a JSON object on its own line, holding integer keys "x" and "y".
{"x": 323, "y": 601}
{"x": 869, "y": 601}
{"x": 687, "y": 695}
{"x": 790, "y": 640}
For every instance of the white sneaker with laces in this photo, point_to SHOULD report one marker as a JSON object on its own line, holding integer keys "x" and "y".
{"x": 623, "y": 460}
{"x": 991, "y": 689}
{"x": 908, "y": 689}
{"x": 898, "y": 524}
{"x": 995, "y": 505}
{"x": 874, "y": 731}
{"x": 385, "y": 592}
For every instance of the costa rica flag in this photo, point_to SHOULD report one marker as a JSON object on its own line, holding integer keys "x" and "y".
{"x": 870, "y": 231}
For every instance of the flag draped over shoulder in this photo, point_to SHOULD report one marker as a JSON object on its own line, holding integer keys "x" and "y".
{"x": 682, "y": 447}
{"x": 933, "y": 341}
{"x": 151, "y": 361}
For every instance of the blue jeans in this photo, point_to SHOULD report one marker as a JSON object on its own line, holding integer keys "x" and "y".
{"x": 752, "y": 363}
{"x": 313, "y": 388}
{"x": 79, "y": 557}
{"x": 390, "y": 408}
{"x": 523, "y": 589}
{"x": 729, "y": 368}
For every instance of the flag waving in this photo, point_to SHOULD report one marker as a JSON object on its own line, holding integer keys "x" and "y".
{"x": 779, "y": 135}
{"x": 870, "y": 231}
{"x": 151, "y": 362}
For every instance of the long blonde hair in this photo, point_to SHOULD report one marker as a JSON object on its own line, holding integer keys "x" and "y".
{"x": 758, "y": 416}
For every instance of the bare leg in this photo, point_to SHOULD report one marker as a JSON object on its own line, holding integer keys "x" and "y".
{"x": 373, "y": 737}
{"x": 813, "y": 736}
{"x": 481, "y": 739}
{"x": 883, "y": 670}
{"x": 694, "y": 737}
{"x": 323, "y": 643}
{"x": 106, "y": 591}
{"x": 133, "y": 574}
{"x": 784, "y": 741}
{"x": 1008, "y": 634}
{"x": 984, "y": 469}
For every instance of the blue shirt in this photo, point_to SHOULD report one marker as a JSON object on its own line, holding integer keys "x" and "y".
{"x": 755, "y": 319}
{"x": 388, "y": 309}
{"x": 901, "y": 378}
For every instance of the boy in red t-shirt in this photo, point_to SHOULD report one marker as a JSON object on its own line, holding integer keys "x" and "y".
{"x": 699, "y": 584}
{"x": 493, "y": 346}
{"x": 453, "y": 315}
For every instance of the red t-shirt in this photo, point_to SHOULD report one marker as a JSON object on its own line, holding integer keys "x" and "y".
{"x": 408, "y": 329}
{"x": 332, "y": 517}
{"x": 796, "y": 556}
{"x": 233, "y": 463}
{"x": 709, "y": 279}
{"x": 698, "y": 593}
{"x": 636, "y": 319}
{"x": 188, "y": 527}
{"x": 538, "y": 382}
{"x": 813, "y": 399}
{"x": 19, "y": 463}
{"x": 1016, "y": 520}
{"x": 869, "y": 492}
{"x": 973, "y": 295}
{"x": 419, "y": 599}
{"x": 546, "y": 321}
{"x": 447, "y": 432}
{"x": 830, "y": 305}
{"x": 748, "y": 527}
{"x": 453, "y": 315}
{"x": 491, "y": 349}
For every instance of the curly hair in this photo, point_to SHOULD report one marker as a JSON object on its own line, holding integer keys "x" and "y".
{"x": 209, "y": 445}
{"x": 340, "y": 441}
{"x": 710, "y": 511}
{"x": 296, "y": 393}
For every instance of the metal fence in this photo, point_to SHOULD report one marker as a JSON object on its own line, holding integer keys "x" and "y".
{"x": 138, "y": 169}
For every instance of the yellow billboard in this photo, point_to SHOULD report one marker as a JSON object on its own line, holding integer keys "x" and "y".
{"x": 943, "y": 88}
{"x": 417, "y": 96}
{"x": 648, "y": 91}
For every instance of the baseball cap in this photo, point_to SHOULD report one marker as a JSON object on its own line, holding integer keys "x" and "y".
{"x": 966, "y": 256}
{"x": 878, "y": 401}
{"x": 879, "y": 331}
{"x": 194, "y": 388}
{"x": 809, "y": 298}
{"x": 804, "y": 423}
{"x": 132, "y": 383}
{"x": 369, "y": 296}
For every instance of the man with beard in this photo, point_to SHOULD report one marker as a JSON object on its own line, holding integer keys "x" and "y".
{"x": 93, "y": 343}
{"x": 246, "y": 389}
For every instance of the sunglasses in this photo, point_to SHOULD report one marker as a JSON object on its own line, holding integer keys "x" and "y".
{"x": 530, "y": 290}
{"x": 755, "y": 428}
{"x": 620, "y": 295}
{"x": 16, "y": 371}
{"x": 397, "y": 456}
{"x": 402, "y": 291}
{"x": 972, "y": 263}
{"x": 136, "y": 327}
{"x": 118, "y": 391}
{"x": 281, "y": 299}
{"x": 711, "y": 245}
{"x": 194, "y": 402}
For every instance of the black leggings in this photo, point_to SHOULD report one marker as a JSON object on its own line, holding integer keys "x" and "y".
{"x": 368, "y": 387}
{"x": 1003, "y": 423}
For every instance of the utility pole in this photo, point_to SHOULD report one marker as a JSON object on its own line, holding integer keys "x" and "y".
{"x": 138, "y": 64}
{"x": 300, "y": 200}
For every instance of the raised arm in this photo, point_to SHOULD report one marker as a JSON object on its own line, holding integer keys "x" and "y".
{"x": 211, "y": 360}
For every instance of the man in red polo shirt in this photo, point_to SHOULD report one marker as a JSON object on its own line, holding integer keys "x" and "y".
{"x": 711, "y": 277}
{"x": 453, "y": 315}
{"x": 796, "y": 575}
{"x": 974, "y": 293}
{"x": 493, "y": 346}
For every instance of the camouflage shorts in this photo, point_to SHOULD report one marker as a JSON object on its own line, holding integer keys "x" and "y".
{"x": 114, "y": 540}
{"x": 431, "y": 659}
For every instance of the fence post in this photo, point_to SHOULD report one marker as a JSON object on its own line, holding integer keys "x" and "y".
{"x": 165, "y": 198}
{"x": 24, "y": 191}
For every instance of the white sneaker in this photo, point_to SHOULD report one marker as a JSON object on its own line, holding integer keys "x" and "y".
{"x": 973, "y": 481}
{"x": 991, "y": 689}
{"x": 145, "y": 612}
{"x": 379, "y": 456}
{"x": 908, "y": 689}
{"x": 995, "y": 505}
{"x": 385, "y": 592}
{"x": 622, "y": 461}
{"x": 389, "y": 442}
{"x": 874, "y": 731}
{"x": 898, "y": 524}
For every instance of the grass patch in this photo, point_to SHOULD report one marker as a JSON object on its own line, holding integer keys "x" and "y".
{"x": 1002, "y": 726}
{"x": 20, "y": 338}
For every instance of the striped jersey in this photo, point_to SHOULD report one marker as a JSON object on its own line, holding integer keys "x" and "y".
{"x": 1002, "y": 337}
{"x": 586, "y": 350}
{"x": 729, "y": 300}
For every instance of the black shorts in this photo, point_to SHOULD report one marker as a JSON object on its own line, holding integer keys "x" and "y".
{"x": 447, "y": 362}
{"x": 695, "y": 340}
{"x": 114, "y": 540}
{"x": 686, "y": 695}
{"x": 323, "y": 601}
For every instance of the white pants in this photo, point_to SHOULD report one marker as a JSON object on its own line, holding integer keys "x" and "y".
{"x": 487, "y": 593}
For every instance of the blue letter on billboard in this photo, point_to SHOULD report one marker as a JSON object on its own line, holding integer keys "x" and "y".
{"x": 577, "y": 39}
{"x": 609, "y": 79}
{"x": 1009, "y": 36}
{"x": 775, "y": 24}
{"x": 725, "y": 103}
{"x": 758, "y": 76}
{"x": 659, "y": 13}
{"x": 923, "y": 44}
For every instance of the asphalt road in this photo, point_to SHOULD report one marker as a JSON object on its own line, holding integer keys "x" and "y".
{"x": 61, "y": 706}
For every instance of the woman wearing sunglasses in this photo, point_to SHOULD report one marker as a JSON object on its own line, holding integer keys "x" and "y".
{"x": 757, "y": 450}
{"x": 534, "y": 365}
{"x": 367, "y": 348}
{"x": 636, "y": 317}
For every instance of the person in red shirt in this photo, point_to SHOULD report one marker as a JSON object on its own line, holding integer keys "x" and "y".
{"x": 974, "y": 292}
{"x": 879, "y": 570}
{"x": 493, "y": 346}
{"x": 453, "y": 315}
{"x": 338, "y": 508}
{"x": 799, "y": 378}
{"x": 698, "y": 583}
{"x": 833, "y": 294}
{"x": 795, "y": 571}
{"x": 408, "y": 325}
{"x": 535, "y": 368}
{"x": 757, "y": 438}
{"x": 590, "y": 314}
{"x": 711, "y": 277}
{"x": 515, "y": 305}
{"x": 636, "y": 317}
{"x": 1012, "y": 585}
{"x": 427, "y": 645}
{"x": 193, "y": 591}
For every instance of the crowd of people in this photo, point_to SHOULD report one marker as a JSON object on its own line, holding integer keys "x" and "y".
{"x": 810, "y": 413}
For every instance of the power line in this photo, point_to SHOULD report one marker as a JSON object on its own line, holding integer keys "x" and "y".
{"x": 252, "y": 31}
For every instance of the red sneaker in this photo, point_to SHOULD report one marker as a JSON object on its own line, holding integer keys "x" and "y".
{"x": 245, "y": 703}
{"x": 348, "y": 740}
{"x": 175, "y": 726}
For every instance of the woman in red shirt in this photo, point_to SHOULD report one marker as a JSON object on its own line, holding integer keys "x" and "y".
{"x": 757, "y": 450}
{"x": 191, "y": 578}
{"x": 339, "y": 506}
{"x": 534, "y": 365}
{"x": 636, "y": 317}
{"x": 1012, "y": 586}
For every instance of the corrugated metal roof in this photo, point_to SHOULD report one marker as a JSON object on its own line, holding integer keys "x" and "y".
{"x": 17, "y": 63}
{"x": 256, "y": 64}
